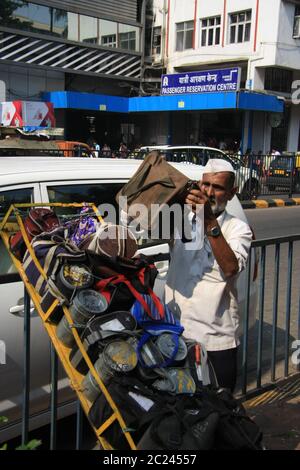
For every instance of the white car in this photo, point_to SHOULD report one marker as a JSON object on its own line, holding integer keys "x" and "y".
{"x": 45, "y": 179}
{"x": 248, "y": 187}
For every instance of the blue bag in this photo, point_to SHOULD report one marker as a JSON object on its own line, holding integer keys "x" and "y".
{"x": 155, "y": 325}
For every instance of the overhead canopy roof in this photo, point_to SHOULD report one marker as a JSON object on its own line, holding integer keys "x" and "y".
{"x": 246, "y": 100}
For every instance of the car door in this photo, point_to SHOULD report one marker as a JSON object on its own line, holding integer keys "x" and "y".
{"x": 11, "y": 330}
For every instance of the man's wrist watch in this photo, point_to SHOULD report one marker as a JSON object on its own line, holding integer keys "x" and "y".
{"x": 213, "y": 232}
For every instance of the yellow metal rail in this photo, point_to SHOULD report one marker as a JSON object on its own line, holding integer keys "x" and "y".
{"x": 63, "y": 352}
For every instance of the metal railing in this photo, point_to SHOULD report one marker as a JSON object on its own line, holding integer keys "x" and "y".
{"x": 278, "y": 308}
{"x": 292, "y": 296}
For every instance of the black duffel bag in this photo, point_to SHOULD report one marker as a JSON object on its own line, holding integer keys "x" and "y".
{"x": 210, "y": 420}
{"x": 138, "y": 405}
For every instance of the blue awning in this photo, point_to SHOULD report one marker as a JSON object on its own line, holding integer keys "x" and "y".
{"x": 259, "y": 102}
{"x": 89, "y": 101}
{"x": 243, "y": 100}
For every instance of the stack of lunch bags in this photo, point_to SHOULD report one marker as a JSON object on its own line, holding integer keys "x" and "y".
{"x": 162, "y": 383}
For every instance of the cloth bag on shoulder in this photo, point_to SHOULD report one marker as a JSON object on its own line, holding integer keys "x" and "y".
{"x": 156, "y": 182}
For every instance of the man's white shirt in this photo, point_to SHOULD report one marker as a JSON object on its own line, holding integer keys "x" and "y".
{"x": 196, "y": 289}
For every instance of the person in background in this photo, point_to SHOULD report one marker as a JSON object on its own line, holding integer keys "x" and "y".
{"x": 222, "y": 145}
{"x": 123, "y": 150}
{"x": 95, "y": 148}
{"x": 106, "y": 151}
{"x": 201, "y": 287}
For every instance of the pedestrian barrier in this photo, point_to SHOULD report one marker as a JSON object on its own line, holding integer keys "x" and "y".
{"x": 291, "y": 312}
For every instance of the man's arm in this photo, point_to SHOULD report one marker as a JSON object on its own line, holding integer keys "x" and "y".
{"x": 224, "y": 255}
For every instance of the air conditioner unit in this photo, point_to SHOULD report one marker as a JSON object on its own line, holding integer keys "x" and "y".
{"x": 296, "y": 33}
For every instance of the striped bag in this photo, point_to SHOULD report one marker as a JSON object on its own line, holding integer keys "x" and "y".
{"x": 51, "y": 250}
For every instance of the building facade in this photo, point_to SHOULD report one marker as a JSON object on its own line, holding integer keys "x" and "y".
{"x": 100, "y": 62}
{"x": 261, "y": 37}
{"x": 87, "y": 46}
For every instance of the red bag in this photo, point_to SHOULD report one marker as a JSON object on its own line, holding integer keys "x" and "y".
{"x": 38, "y": 220}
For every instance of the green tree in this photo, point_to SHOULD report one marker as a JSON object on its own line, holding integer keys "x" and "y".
{"x": 7, "y": 9}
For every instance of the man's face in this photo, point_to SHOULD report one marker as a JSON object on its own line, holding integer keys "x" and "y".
{"x": 218, "y": 188}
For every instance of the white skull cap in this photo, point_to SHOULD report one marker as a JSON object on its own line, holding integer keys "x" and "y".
{"x": 216, "y": 165}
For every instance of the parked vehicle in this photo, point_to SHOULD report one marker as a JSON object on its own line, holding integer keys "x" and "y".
{"x": 284, "y": 172}
{"x": 15, "y": 142}
{"x": 247, "y": 180}
{"x": 33, "y": 179}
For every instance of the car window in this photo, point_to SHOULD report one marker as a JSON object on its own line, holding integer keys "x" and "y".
{"x": 98, "y": 193}
{"x": 235, "y": 162}
{"x": 14, "y": 196}
{"x": 198, "y": 156}
{"x": 282, "y": 162}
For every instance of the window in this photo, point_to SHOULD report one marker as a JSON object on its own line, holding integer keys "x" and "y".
{"x": 239, "y": 27}
{"x": 156, "y": 43}
{"x": 277, "y": 79}
{"x": 28, "y": 16}
{"x": 184, "y": 35}
{"x": 108, "y": 33}
{"x": 128, "y": 37}
{"x": 98, "y": 193}
{"x": 109, "y": 41}
{"x": 127, "y": 40}
{"x": 72, "y": 30}
{"x": 19, "y": 14}
{"x": 210, "y": 31}
{"x": 296, "y": 33}
{"x": 88, "y": 29}
{"x": 14, "y": 196}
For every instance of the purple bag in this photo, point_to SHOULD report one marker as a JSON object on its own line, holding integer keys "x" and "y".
{"x": 81, "y": 228}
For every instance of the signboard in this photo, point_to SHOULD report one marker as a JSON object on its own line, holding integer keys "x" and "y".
{"x": 27, "y": 113}
{"x": 11, "y": 113}
{"x": 38, "y": 113}
{"x": 209, "y": 81}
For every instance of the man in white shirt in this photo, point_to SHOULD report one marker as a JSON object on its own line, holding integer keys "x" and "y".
{"x": 201, "y": 284}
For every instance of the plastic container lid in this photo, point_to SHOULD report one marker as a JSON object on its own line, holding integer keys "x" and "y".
{"x": 120, "y": 356}
{"x": 76, "y": 276}
{"x": 166, "y": 344}
{"x": 91, "y": 302}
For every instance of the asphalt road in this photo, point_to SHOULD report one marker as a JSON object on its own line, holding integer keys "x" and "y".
{"x": 274, "y": 222}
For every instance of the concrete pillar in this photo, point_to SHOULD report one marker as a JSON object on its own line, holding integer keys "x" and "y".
{"x": 258, "y": 131}
{"x": 245, "y": 131}
{"x": 293, "y": 131}
{"x": 267, "y": 135}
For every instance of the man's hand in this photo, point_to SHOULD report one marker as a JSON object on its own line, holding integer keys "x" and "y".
{"x": 197, "y": 197}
